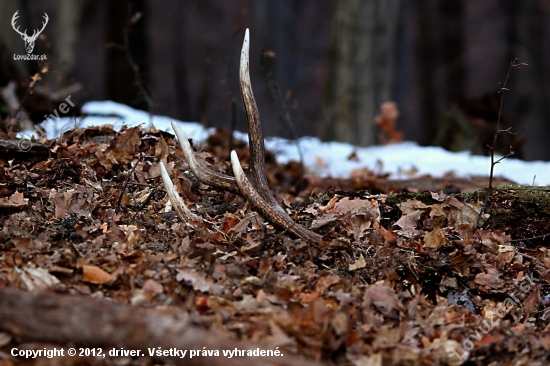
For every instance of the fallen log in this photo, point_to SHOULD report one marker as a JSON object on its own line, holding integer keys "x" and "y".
{"x": 87, "y": 322}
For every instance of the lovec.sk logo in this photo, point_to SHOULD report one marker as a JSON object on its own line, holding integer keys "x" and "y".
{"x": 29, "y": 40}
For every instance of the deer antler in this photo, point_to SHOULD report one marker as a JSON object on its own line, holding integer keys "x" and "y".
{"x": 177, "y": 203}
{"x": 255, "y": 189}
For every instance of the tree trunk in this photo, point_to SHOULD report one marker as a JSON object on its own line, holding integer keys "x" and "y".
{"x": 361, "y": 68}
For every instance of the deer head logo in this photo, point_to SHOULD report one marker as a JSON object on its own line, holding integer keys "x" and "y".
{"x": 29, "y": 41}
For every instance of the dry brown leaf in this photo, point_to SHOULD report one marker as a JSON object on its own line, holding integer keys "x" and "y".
{"x": 386, "y": 121}
{"x": 199, "y": 281}
{"x": 323, "y": 220}
{"x": 488, "y": 339}
{"x": 129, "y": 140}
{"x": 330, "y": 205}
{"x": 465, "y": 215}
{"x": 95, "y": 275}
{"x": 532, "y": 302}
{"x": 309, "y": 297}
{"x": 489, "y": 280}
{"x": 407, "y": 223}
{"x": 161, "y": 150}
{"x": 411, "y": 206}
{"x": 434, "y": 239}
{"x": 358, "y": 264}
{"x": 382, "y": 298}
{"x": 229, "y": 222}
{"x": 241, "y": 226}
{"x": 23, "y": 245}
{"x": 278, "y": 337}
{"x": 16, "y": 200}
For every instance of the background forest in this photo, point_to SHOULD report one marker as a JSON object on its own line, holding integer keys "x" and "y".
{"x": 333, "y": 63}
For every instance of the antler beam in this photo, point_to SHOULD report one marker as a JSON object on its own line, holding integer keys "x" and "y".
{"x": 254, "y": 187}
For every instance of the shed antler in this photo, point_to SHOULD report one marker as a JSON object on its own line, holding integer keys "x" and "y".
{"x": 254, "y": 187}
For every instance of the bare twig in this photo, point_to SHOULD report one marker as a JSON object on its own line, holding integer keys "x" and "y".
{"x": 513, "y": 65}
{"x": 543, "y": 237}
{"x": 276, "y": 93}
{"x": 35, "y": 80}
{"x": 117, "y": 209}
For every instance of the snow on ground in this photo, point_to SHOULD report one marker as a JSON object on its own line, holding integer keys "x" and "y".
{"x": 323, "y": 158}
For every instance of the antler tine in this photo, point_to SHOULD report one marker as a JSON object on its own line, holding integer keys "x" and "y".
{"x": 273, "y": 213}
{"x": 177, "y": 203}
{"x": 255, "y": 133}
{"x": 203, "y": 173}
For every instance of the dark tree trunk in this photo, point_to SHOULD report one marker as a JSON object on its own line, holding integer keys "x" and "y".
{"x": 361, "y": 68}
{"x": 452, "y": 47}
{"x": 426, "y": 66}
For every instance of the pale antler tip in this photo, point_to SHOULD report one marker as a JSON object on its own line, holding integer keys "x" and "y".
{"x": 236, "y": 165}
{"x": 246, "y": 46}
{"x": 235, "y": 160}
{"x": 163, "y": 171}
{"x": 184, "y": 143}
{"x": 177, "y": 202}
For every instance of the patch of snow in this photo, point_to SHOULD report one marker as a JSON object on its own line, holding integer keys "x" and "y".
{"x": 323, "y": 158}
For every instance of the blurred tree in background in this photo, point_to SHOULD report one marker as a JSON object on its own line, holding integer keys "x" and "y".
{"x": 335, "y": 62}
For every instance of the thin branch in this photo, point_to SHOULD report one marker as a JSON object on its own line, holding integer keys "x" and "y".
{"x": 544, "y": 236}
{"x": 35, "y": 80}
{"x": 126, "y": 183}
{"x": 513, "y": 65}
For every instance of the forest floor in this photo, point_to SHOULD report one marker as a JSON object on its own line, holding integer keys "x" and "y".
{"x": 399, "y": 278}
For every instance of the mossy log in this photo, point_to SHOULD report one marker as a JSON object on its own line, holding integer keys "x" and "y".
{"x": 521, "y": 211}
